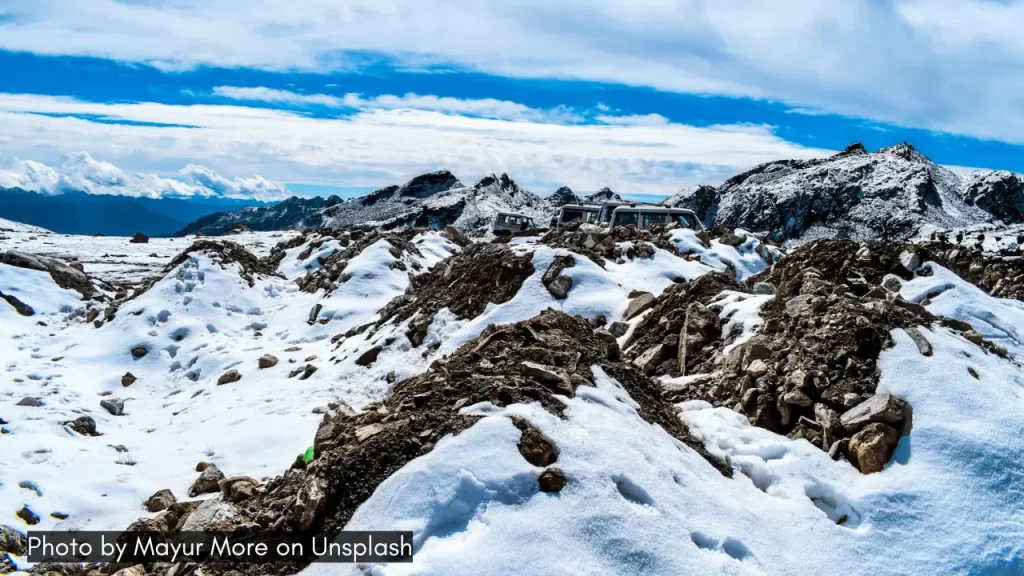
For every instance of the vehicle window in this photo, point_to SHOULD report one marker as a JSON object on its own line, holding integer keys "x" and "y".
{"x": 651, "y": 219}
{"x": 501, "y": 219}
{"x": 591, "y": 217}
{"x": 570, "y": 215}
{"x": 625, "y": 219}
{"x": 687, "y": 220}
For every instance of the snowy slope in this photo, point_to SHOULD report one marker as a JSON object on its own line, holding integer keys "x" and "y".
{"x": 12, "y": 226}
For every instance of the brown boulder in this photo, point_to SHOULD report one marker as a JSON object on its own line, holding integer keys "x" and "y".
{"x": 871, "y": 448}
{"x": 552, "y": 480}
{"x": 160, "y": 501}
{"x": 536, "y": 448}
{"x": 229, "y": 377}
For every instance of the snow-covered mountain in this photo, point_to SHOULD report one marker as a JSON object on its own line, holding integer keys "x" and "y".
{"x": 584, "y": 402}
{"x": 892, "y": 193}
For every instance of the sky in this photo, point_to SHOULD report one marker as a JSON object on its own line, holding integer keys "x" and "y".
{"x": 264, "y": 99}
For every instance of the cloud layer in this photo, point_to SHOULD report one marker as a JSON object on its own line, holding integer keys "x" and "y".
{"x": 945, "y": 65}
{"x": 375, "y": 146}
{"x": 81, "y": 172}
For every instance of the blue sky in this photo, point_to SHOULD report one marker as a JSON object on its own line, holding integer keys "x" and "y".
{"x": 264, "y": 99}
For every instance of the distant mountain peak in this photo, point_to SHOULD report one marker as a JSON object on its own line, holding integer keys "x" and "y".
{"x": 429, "y": 184}
{"x": 906, "y": 151}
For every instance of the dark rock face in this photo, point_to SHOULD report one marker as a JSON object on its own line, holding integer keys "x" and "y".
{"x": 139, "y": 238}
{"x": 64, "y": 275}
{"x": 563, "y": 196}
{"x": 19, "y": 306}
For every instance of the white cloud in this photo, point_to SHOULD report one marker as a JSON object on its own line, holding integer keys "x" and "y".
{"x": 946, "y": 65}
{"x": 378, "y": 146}
{"x": 484, "y": 107}
{"x": 634, "y": 120}
{"x": 82, "y": 172}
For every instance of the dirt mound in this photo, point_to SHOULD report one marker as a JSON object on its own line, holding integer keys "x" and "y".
{"x": 532, "y": 361}
{"x": 225, "y": 252}
{"x": 331, "y": 272}
{"x": 465, "y": 283}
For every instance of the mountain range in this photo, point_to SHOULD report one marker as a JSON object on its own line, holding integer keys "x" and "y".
{"x": 112, "y": 215}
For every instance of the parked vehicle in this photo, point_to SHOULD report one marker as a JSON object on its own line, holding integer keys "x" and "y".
{"x": 643, "y": 216}
{"x": 604, "y": 215}
{"x": 583, "y": 212}
{"x": 507, "y": 223}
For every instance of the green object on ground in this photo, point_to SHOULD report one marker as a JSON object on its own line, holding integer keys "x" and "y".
{"x": 307, "y": 457}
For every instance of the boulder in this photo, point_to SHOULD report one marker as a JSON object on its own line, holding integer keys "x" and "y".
{"x": 923, "y": 346}
{"x": 139, "y": 238}
{"x": 551, "y": 480}
{"x": 559, "y": 287}
{"x": 28, "y": 516}
{"x": 882, "y": 408}
{"x": 797, "y": 398}
{"x": 549, "y": 376}
{"x": 208, "y": 481}
{"x": 113, "y": 405}
{"x": 128, "y": 379}
{"x": 267, "y": 361}
{"x": 368, "y": 357}
{"x": 310, "y": 502}
{"x": 910, "y": 260}
{"x": 137, "y": 570}
{"x": 618, "y": 329}
{"x": 19, "y": 306}
{"x": 892, "y": 283}
{"x": 30, "y": 402}
{"x": 732, "y": 240}
{"x": 649, "y": 361}
{"x": 639, "y": 304}
{"x": 238, "y": 488}
{"x": 229, "y": 377}
{"x": 160, "y": 501}
{"x": 871, "y": 448}
{"x": 12, "y": 541}
{"x": 139, "y": 351}
{"x": 212, "y": 515}
{"x": 757, "y": 368}
{"x": 800, "y": 305}
{"x": 84, "y": 425}
{"x": 763, "y": 288}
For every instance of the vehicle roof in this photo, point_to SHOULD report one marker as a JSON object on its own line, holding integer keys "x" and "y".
{"x": 514, "y": 214}
{"x": 652, "y": 208}
{"x": 582, "y": 206}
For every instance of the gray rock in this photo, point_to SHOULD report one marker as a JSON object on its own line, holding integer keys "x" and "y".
{"x": 618, "y": 329}
{"x": 910, "y": 260}
{"x": 113, "y": 405}
{"x": 884, "y": 408}
{"x": 229, "y": 377}
{"x": 763, "y": 288}
{"x": 368, "y": 357}
{"x": 604, "y": 335}
{"x": 923, "y": 346}
{"x": 213, "y": 514}
{"x": 757, "y": 368}
{"x": 800, "y": 305}
{"x": 639, "y": 304}
{"x": 30, "y": 402}
{"x": 267, "y": 361}
{"x": 207, "y": 482}
{"x": 892, "y": 283}
{"x": 732, "y": 240}
{"x": 797, "y": 398}
{"x": 559, "y": 287}
{"x": 549, "y": 376}
{"x": 651, "y": 359}
{"x": 160, "y": 501}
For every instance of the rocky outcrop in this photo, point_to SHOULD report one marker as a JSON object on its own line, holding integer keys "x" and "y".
{"x": 69, "y": 276}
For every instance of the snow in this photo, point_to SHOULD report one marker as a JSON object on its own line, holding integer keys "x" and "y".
{"x": 640, "y": 502}
{"x": 742, "y": 313}
{"x": 744, "y": 259}
{"x": 12, "y": 226}
{"x": 200, "y": 320}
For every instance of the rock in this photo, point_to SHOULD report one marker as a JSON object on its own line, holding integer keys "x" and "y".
{"x": 876, "y": 293}
{"x": 638, "y": 305}
{"x": 26, "y": 514}
{"x": 536, "y": 448}
{"x": 238, "y": 488}
{"x": 314, "y": 312}
{"x": 892, "y": 283}
{"x": 797, "y": 398}
{"x": 229, "y": 377}
{"x": 559, "y": 287}
{"x": 549, "y": 376}
{"x": 128, "y": 379}
{"x": 84, "y": 425}
{"x": 757, "y": 368}
{"x": 113, "y": 405}
{"x": 267, "y": 361}
{"x": 956, "y": 324}
{"x": 139, "y": 238}
{"x": 138, "y": 569}
{"x": 871, "y": 448}
{"x": 910, "y": 260}
{"x": 12, "y": 541}
{"x": 651, "y": 359}
{"x": 307, "y": 371}
{"x": 208, "y": 481}
{"x": 213, "y": 514}
{"x": 551, "y": 480}
{"x": 310, "y": 502}
{"x": 19, "y": 306}
{"x": 800, "y": 305}
{"x": 618, "y": 329}
{"x": 368, "y": 357}
{"x": 732, "y": 240}
{"x": 30, "y": 402}
{"x": 974, "y": 337}
{"x": 456, "y": 235}
{"x": 558, "y": 264}
{"x": 923, "y": 346}
{"x": 367, "y": 431}
{"x": 764, "y": 288}
{"x": 701, "y": 326}
{"x": 160, "y": 501}
{"x": 605, "y": 335}
{"x": 884, "y": 408}
{"x": 139, "y": 351}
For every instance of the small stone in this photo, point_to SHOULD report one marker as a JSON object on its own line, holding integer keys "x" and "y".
{"x": 229, "y": 377}
{"x": 923, "y": 346}
{"x": 128, "y": 379}
{"x": 797, "y": 398}
{"x": 160, "y": 501}
{"x": 113, "y": 405}
{"x": 604, "y": 335}
{"x": 974, "y": 337}
{"x": 139, "y": 351}
{"x": 618, "y": 329}
{"x": 973, "y": 372}
{"x": 892, "y": 283}
{"x": 30, "y": 517}
{"x": 367, "y": 431}
{"x": 536, "y": 448}
{"x": 651, "y": 358}
{"x": 757, "y": 368}
{"x": 552, "y": 480}
{"x": 560, "y": 286}
{"x": 871, "y": 448}
{"x": 84, "y": 425}
{"x": 549, "y": 376}
{"x": 851, "y": 399}
{"x": 267, "y": 361}
{"x": 733, "y": 240}
{"x": 138, "y": 569}
{"x": 763, "y": 288}
{"x": 30, "y": 402}
{"x": 910, "y": 260}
